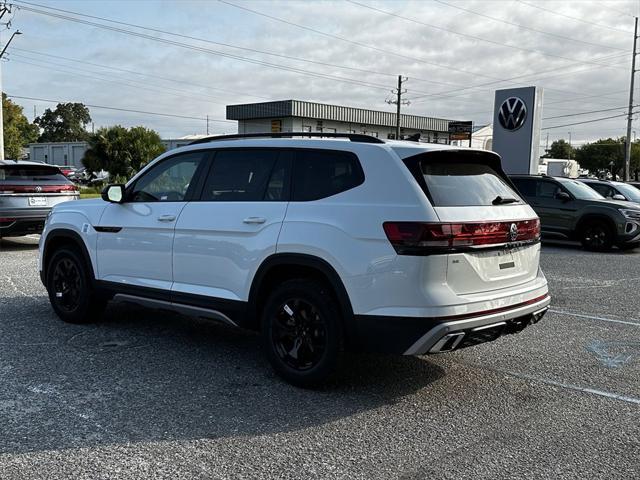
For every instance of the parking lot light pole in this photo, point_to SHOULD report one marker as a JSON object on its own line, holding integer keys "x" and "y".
{"x": 17, "y": 32}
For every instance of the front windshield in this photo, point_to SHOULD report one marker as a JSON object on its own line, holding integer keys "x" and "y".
{"x": 580, "y": 191}
{"x": 632, "y": 193}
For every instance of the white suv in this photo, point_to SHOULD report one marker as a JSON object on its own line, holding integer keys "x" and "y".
{"x": 320, "y": 244}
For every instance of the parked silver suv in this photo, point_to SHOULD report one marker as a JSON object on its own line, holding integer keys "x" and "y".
{"x": 27, "y": 193}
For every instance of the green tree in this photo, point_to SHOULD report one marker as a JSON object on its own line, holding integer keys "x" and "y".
{"x": 144, "y": 146}
{"x": 18, "y": 132}
{"x": 67, "y": 123}
{"x": 121, "y": 151}
{"x": 598, "y": 155}
{"x": 560, "y": 149}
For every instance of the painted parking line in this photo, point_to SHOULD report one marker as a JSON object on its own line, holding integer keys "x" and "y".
{"x": 593, "y": 317}
{"x": 568, "y": 386}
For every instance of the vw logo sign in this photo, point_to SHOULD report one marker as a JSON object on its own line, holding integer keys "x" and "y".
{"x": 38, "y": 189}
{"x": 512, "y": 114}
{"x": 513, "y": 232}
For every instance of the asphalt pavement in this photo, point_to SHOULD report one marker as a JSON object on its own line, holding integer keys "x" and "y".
{"x": 143, "y": 394}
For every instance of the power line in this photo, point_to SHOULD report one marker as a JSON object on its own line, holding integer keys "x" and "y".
{"x": 525, "y": 27}
{"x": 228, "y": 45}
{"x": 353, "y": 42}
{"x": 253, "y": 61}
{"x": 121, "y": 109}
{"x": 210, "y": 51}
{"x": 586, "y": 121}
{"x": 586, "y": 113}
{"x": 474, "y": 37}
{"x": 456, "y": 93}
{"x": 589, "y": 22}
{"x": 145, "y": 87}
{"x": 111, "y": 67}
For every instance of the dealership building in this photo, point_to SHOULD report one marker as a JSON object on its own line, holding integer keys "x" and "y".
{"x": 301, "y": 116}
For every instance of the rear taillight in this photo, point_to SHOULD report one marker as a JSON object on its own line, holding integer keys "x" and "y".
{"x": 417, "y": 238}
{"x": 6, "y": 221}
{"x": 35, "y": 189}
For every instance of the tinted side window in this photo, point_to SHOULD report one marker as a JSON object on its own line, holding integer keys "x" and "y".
{"x": 168, "y": 181}
{"x": 548, "y": 189}
{"x": 320, "y": 174}
{"x": 525, "y": 186}
{"x": 241, "y": 176}
{"x": 604, "y": 190}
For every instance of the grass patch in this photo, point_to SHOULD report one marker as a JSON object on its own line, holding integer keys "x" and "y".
{"x": 84, "y": 196}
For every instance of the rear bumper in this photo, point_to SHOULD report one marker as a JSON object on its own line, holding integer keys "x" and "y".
{"x": 22, "y": 222}
{"x": 420, "y": 336}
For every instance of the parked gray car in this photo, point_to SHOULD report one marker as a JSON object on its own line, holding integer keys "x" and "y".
{"x": 28, "y": 190}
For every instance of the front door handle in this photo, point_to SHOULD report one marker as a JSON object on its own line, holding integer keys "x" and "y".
{"x": 166, "y": 218}
{"x": 254, "y": 220}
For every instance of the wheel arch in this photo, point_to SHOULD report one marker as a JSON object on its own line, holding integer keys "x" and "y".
{"x": 582, "y": 221}
{"x": 65, "y": 237}
{"x": 291, "y": 265}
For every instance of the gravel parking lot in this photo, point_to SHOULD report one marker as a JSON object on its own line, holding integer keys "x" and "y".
{"x": 148, "y": 395}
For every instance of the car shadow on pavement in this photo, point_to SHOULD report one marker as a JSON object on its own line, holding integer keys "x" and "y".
{"x": 142, "y": 376}
{"x": 18, "y": 243}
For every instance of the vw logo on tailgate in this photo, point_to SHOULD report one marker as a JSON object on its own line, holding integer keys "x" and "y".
{"x": 513, "y": 232}
{"x": 512, "y": 114}
{"x": 38, "y": 189}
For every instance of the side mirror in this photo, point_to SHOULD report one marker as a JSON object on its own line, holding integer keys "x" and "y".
{"x": 617, "y": 196}
{"x": 113, "y": 193}
{"x": 563, "y": 196}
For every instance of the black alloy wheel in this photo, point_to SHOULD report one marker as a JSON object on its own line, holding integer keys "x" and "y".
{"x": 302, "y": 332}
{"x": 69, "y": 286}
{"x": 597, "y": 236}
{"x": 299, "y": 334}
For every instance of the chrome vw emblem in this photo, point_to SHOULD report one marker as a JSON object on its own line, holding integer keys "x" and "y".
{"x": 38, "y": 189}
{"x": 512, "y": 114}
{"x": 513, "y": 232}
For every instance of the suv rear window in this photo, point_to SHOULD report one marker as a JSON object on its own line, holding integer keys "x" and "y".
{"x": 31, "y": 173}
{"x": 322, "y": 173}
{"x": 460, "y": 184}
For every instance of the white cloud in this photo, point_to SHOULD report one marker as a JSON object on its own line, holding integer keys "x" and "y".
{"x": 418, "y": 49}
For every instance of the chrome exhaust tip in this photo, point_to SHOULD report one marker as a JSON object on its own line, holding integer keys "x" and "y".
{"x": 447, "y": 342}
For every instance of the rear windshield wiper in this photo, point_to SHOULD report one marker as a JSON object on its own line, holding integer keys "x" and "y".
{"x": 502, "y": 200}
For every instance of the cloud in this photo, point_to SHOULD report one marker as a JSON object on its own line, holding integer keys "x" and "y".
{"x": 204, "y": 80}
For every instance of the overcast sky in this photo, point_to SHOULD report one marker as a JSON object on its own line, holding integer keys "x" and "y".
{"x": 338, "y": 52}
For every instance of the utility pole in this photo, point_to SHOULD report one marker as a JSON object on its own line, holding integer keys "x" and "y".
{"x": 207, "y": 124}
{"x": 398, "y": 102}
{"x": 627, "y": 149}
{"x": 3, "y": 10}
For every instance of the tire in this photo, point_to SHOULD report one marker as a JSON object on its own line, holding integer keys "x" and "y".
{"x": 597, "y": 236}
{"x": 302, "y": 332}
{"x": 69, "y": 288}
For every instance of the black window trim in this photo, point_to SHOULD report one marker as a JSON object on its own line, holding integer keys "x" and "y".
{"x": 190, "y": 194}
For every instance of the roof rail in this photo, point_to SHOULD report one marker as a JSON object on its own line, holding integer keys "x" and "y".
{"x": 354, "y": 137}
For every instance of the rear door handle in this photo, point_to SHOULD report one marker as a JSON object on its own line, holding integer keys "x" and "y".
{"x": 254, "y": 220}
{"x": 166, "y": 218}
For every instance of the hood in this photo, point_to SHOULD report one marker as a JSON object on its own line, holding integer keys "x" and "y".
{"x": 616, "y": 203}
